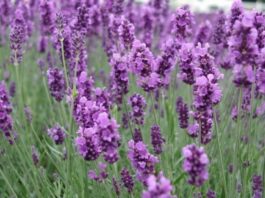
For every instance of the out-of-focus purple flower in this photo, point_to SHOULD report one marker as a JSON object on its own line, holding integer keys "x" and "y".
{"x": 156, "y": 139}
{"x": 35, "y": 155}
{"x": 141, "y": 160}
{"x": 127, "y": 180}
{"x": 219, "y": 29}
{"x": 182, "y": 22}
{"x": 12, "y": 89}
{"x": 211, "y": 194}
{"x": 57, "y": 134}
{"x": 193, "y": 130}
{"x": 78, "y": 54}
{"x": 183, "y": 112}
{"x": 186, "y": 64}
{"x": 147, "y": 25}
{"x": 102, "y": 173}
{"x": 195, "y": 164}
{"x": 137, "y": 135}
{"x": 5, "y": 10}
{"x": 120, "y": 78}
{"x": 234, "y": 113}
{"x": 62, "y": 38}
{"x": 236, "y": 12}
{"x": 47, "y": 12}
{"x": 125, "y": 120}
{"x": 6, "y": 121}
{"x": 102, "y": 97}
{"x": 166, "y": 61}
{"x": 116, "y": 186}
{"x": 158, "y": 186}
{"x": 204, "y": 33}
{"x": 243, "y": 49}
{"x": 126, "y": 33}
{"x": 143, "y": 66}
{"x": 138, "y": 105}
{"x": 56, "y": 83}
{"x": 257, "y": 186}
{"x": 18, "y": 36}
{"x": 28, "y": 113}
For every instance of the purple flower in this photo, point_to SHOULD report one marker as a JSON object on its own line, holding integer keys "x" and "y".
{"x": 126, "y": 33}
{"x": 127, "y": 180}
{"x": 102, "y": 173}
{"x": 18, "y": 36}
{"x": 57, "y": 134}
{"x": 143, "y": 66}
{"x": 116, "y": 186}
{"x": 182, "y": 22}
{"x": 6, "y": 121}
{"x": 166, "y": 61}
{"x": 156, "y": 139}
{"x": 138, "y": 105}
{"x": 35, "y": 155}
{"x": 158, "y": 186}
{"x": 195, "y": 164}
{"x": 88, "y": 143}
{"x": 28, "y": 113}
{"x": 186, "y": 64}
{"x": 119, "y": 77}
{"x": 141, "y": 160}
{"x": 211, "y": 194}
{"x": 12, "y": 89}
{"x": 257, "y": 186}
{"x": 137, "y": 135}
{"x": 204, "y": 32}
{"x": 47, "y": 11}
{"x": 56, "y": 83}
{"x": 183, "y": 112}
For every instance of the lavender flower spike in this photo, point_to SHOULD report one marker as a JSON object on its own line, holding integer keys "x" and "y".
{"x": 195, "y": 164}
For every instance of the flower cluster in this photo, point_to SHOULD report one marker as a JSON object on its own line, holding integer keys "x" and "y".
{"x": 119, "y": 77}
{"x": 127, "y": 180}
{"x": 6, "y": 121}
{"x": 141, "y": 160}
{"x": 182, "y": 22}
{"x": 57, "y": 134}
{"x": 195, "y": 164}
{"x": 186, "y": 64}
{"x": 138, "y": 105}
{"x": 18, "y": 36}
{"x": 143, "y": 66}
{"x": 157, "y": 139}
{"x": 257, "y": 188}
{"x": 56, "y": 83}
{"x": 183, "y": 111}
{"x": 158, "y": 186}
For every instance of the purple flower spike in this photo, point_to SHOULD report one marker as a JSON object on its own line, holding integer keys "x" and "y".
{"x": 18, "y": 36}
{"x": 195, "y": 164}
{"x": 138, "y": 105}
{"x": 257, "y": 186}
{"x": 56, "y": 83}
{"x": 127, "y": 180}
{"x": 157, "y": 139}
{"x": 158, "y": 187}
{"x": 141, "y": 160}
{"x": 57, "y": 134}
{"x": 6, "y": 120}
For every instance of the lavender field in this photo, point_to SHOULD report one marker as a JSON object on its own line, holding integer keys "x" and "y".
{"x": 116, "y": 98}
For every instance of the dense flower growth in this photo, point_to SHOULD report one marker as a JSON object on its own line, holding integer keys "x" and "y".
{"x": 120, "y": 98}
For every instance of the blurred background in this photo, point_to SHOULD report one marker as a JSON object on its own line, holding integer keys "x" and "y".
{"x": 209, "y": 5}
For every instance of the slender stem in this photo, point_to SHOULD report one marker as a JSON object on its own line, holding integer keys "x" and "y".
{"x": 220, "y": 152}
